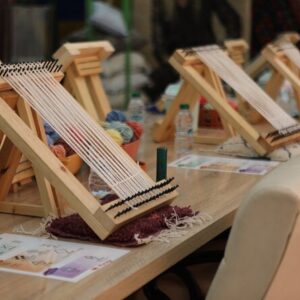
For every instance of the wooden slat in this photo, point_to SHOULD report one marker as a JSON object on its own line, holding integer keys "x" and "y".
{"x": 82, "y": 93}
{"x": 10, "y": 157}
{"x": 215, "y": 82}
{"x": 99, "y": 96}
{"x": 24, "y": 174}
{"x": 33, "y": 210}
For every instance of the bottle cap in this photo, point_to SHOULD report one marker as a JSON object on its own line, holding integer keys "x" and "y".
{"x": 184, "y": 106}
{"x": 136, "y": 94}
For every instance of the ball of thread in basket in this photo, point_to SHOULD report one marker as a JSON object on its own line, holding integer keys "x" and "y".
{"x": 59, "y": 151}
{"x": 137, "y": 128}
{"x": 116, "y": 135}
{"x": 115, "y": 115}
{"x": 125, "y": 130}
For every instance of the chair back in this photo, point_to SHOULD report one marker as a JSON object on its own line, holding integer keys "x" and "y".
{"x": 261, "y": 257}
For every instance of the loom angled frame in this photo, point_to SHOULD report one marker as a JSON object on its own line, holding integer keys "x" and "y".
{"x": 263, "y": 62}
{"x": 282, "y": 68}
{"x": 236, "y": 50}
{"x": 50, "y": 169}
{"x": 193, "y": 70}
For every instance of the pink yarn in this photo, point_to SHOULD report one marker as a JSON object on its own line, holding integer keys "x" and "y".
{"x": 59, "y": 151}
{"x": 137, "y": 129}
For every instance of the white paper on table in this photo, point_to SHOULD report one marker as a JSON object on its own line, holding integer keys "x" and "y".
{"x": 67, "y": 261}
{"x": 221, "y": 164}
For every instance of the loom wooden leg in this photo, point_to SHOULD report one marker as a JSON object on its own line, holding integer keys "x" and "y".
{"x": 99, "y": 96}
{"x": 49, "y": 200}
{"x": 217, "y": 85}
{"x": 82, "y": 94}
{"x": 164, "y": 129}
{"x": 274, "y": 84}
{"x": 10, "y": 158}
{"x": 47, "y": 194}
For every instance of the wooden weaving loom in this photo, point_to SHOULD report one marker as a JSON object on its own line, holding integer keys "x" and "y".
{"x": 284, "y": 58}
{"x": 260, "y": 63}
{"x": 273, "y": 60}
{"x": 203, "y": 67}
{"x": 82, "y": 65}
{"x": 137, "y": 192}
{"x": 163, "y": 129}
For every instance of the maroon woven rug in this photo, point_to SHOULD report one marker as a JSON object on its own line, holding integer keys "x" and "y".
{"x": 74, "y": 226}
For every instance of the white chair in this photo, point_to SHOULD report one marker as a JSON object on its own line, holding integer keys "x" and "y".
{"x": 261, "y": 259}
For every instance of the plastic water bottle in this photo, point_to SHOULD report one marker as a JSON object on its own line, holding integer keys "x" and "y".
{"x": 136, "y": 108}
{"x": 184, "y": 130}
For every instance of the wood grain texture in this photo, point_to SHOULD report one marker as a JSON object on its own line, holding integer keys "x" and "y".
{"x": 218, "y": 194}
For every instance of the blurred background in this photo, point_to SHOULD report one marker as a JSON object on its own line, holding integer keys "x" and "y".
{"x": 143, "y": 32}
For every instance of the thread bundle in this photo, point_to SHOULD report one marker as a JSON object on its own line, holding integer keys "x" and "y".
{"x": 129, "y": 131}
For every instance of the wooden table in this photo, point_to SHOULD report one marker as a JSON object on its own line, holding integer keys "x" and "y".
{"x": 217, "y": 194}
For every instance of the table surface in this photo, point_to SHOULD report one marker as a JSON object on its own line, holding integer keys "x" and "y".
{"x": 215, "y": 193}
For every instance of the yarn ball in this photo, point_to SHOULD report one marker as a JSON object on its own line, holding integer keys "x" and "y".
{"x": 104, "y": 125}
{"x": 137, "y": 129}
{"x": 116, "y": 115}
{"x": 50, "y": 141}
{"x": 116, "y": 135}
{"x": 52, "y": 136}
{"x": 59, "y": 151}
{"x": 68, "y": 149}
{"x": 125, "y": 130}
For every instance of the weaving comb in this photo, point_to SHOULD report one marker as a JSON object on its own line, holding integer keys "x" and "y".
{"x": 165, "y": 128}
{"x": 137, "y": 192}
{"x": 194, "y": 73}
{"x": 82, "y": 65}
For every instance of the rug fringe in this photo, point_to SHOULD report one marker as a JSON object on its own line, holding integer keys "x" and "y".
{"x": 40, "y": 231}
{"x": 177, "y": 227}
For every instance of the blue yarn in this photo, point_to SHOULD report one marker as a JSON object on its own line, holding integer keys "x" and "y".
{"x": 125, "y": 130}
{"x": 49, "y": 140}
{"x": 116, "y": 115}
{"x": 52, "y": 136}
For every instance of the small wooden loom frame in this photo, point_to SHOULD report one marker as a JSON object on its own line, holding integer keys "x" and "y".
{"x": 12, "y": 170}
{"x": 199, "y": 79}
{"x": 282, "y": 68}
{"x": 189, "y": 94}
{"x": 260, "y": 63}
{"x": 51, "y": 173}
{"x": 82, "y": 64}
